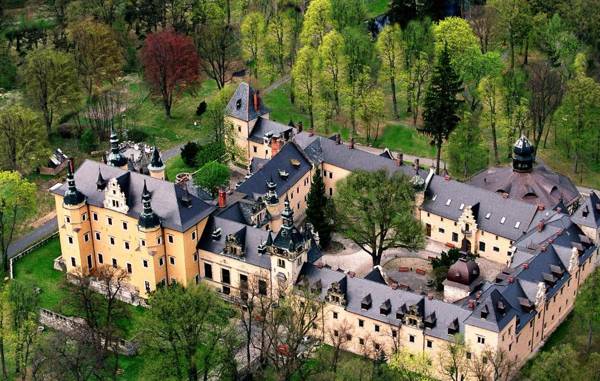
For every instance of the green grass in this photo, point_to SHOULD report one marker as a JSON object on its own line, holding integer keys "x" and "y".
{"x": 377, "y": 7}
{"x": 406, "y": 140}
{"x": 176, "y": 165}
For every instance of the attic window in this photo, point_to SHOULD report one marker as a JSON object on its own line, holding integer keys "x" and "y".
{"x": 283, "y": 174}
{"x": 502, "y": 220}
{"x": 517, "y": 224}
{"x": 461, "y": 207}
{"x": 367, "y": 302}
{"x": 262, "y": 248}
{"x": 216, "y": 234}
{"x": 238, "y": 104}
{"x": 385, "y": 308}
{"x": 484, "y": 312}
{"x": 488, "y": 215}
{"x": 295, "y": 162}
{"x": 434, "y": 197}
{"x": 448, "y": 202}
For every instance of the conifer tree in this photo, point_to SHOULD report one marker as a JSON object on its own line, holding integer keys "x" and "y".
{"x": 441, "y": 104}
{"x": 316, "y": 209}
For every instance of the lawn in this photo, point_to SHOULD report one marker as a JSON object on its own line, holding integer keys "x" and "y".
{"x": 176, "y": 165}
{"x": 405, "y": 139}
{"x": 377, "y": 7}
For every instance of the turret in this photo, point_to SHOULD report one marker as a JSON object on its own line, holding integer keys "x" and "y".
{"x": 523, "y": 155}
{"x": 73, "y": 198}
{"x": 116, "y": 158}
{"x": 156, "y": 167}
{"x": 148, "y": 219}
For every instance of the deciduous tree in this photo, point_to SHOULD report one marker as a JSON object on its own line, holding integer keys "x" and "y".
{"x": 375, "y": 210}
{"x": 170, "y": 65}
{"x": 253, "y": 34}
{"x": 333, "y": 66}
{"x": 305, "y": 72}
{"x": 211, "y": 176}
{"x": 22, "y": 138}
{"x": 318, "y": 20}
{"x": 390, "y": 51}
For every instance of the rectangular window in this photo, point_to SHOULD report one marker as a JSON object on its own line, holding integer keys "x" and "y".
{"x": 496, "y": 249}
{"x": 281, "y": 263}
{"x": 441, "y": 230}
{"x": 361, "y": 323}
{"x": 480, "y": 340}
{"x": 481, "y": 246}
{"x": 97, "y": 236}
{"x": 112, "y": 240}
{"x": 429, "y": 344}
{"x": 67, "y": 219}
{"x": 394, "y": 333}
{"x": 161, "y": 261}
{"x": 172, "y": 260}
{"x": 159, "y": 240}
{"x": 84, "y": 216}
{"x": 145, "y": 262}
{"x": 86, "y": 237}
{"x": 411, "y": 338}
{"x": 361, "y": 341}
{"x": 195, "y": 257}
{"x": 142, "y": 242}
{"x": 109, "y": 220}
{"x": 114, "y": 263}
{"x": 70, "y": 239}
{"x": 225, "y": 278}
{"x": 376, "y": 327}
{"x": 124, "y": 225}
{"x": 254, "y": 149}
{"x": 126, "y": 244}
{"x": 330, "y": 175}
{"x": 193, "y": 236}
{"x": 147, "y": 285}
{"x": 170, "y": 238}
{"x": 454, "y": 237}
{"x": 100, "y": 258}
{"x": 129, "y": 269}
{"x": 95, "y": 216}
{"x": 73, "y": 262}
{"x": 262, "y": 287}
{"x": 335, "y": 315}
{"x": 331, "y": 191}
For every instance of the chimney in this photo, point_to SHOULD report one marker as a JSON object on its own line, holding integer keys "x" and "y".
{"x": 400, "y": 159}
{"x": 222, "y": 198}
{"x": 275, "y": 146}
{"x": 352, "y": 142}
{"x": 338, "y": 139}
{"x": 540, "y": 226}
{"x": 300, "y": 126}
{"x": 256, "y": 100}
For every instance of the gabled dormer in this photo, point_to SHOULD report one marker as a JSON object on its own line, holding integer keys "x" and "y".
{"x": 336, "y": 293}
{"x": 115, "y": 197}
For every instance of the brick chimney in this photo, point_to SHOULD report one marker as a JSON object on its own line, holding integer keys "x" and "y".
{"x": 400, "y": 159}
{"x": 256, "y": 100}
{"x": 275, "y": 146}
{"x": 352, "y": 142}
{"x": 338, "y": 139}
{"x": 222, "y": 198}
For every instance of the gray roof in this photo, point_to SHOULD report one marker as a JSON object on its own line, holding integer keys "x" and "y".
{"x": 266, "y": 126}
{"x": 256, "y": 185}
{"x": 495, "y": 214}
{"x": 588, "y": 213}
{"x": 357, "y": 289}
{"x": 252, "y": 238}
{"x": 166, "y": 195}
{"x": 241, "y": 104}
{"x": 320, "y": 149}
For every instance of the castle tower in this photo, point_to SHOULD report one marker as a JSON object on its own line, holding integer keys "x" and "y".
{"x": 523, "y": 155}
{"x": 75, "y": 234}
{"x": 116, "y": 158}
{"x": 156, "y": 167}
{"x": 288, "y": 251}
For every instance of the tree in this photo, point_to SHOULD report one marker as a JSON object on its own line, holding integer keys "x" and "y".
{"x": 418, "y": 74}
{"x": 490, "y": 89}
{"x": 348, "y": 13}
{"x": 189, "y": 151}
{"x": 24, "y": 307}
{"x": 87, "y": 141}
{"x": 332, "y": 64}
{"x": 441, "y": 104}
{"x": 253, "y": 33}
{"x": 277, "y": 45}
{"x": 212, "y": 176}
{"x": 316, "y": 210}
{"x": 466, "y": 151}
{"x": 8, "y": 67}
{"x": 22, "y": 137}
{"x": 51, "y": 84}
{"x": 410, "y": 366}
{"x": 170, "y": 65}
{"x": 305, "y": 78}
{"x": 483, "y": 21}
{"x": 371, "y": 111}
{"x": 17, "y": 203}
{"x": 98, "y": 55}
{"x": 218, "y": 48}
{"x": 317, "y": 22}
{"x": 560, "y": 363}
{"x": 452, "y": 359}
{"x": 339, "y": 335}
{"x": 4, "y": 331}
{"x": 514, "y": 19}
{"x": 183, "y": 332}
{"x": 375, "y": 210}
{"x": 389, "y": 48}
{"x": 588, "y": 312}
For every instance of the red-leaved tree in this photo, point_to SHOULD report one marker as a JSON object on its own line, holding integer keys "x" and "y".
{"x": 170, "y": 64}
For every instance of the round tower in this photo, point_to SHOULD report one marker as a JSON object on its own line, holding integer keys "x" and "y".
{"x": 156, "y": 166}
{"x": 151, "y": 245}
{"x": 115, "y": 157}
{"x": 523, "y": 155}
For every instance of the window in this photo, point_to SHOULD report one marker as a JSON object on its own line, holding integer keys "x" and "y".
{"x": 97, "y": 236}
{"x": 147, "y": 285}
{"x": 441, "y": 230}
{"x": 86, "y": 237}
{"x": 126, "y": 244}
{"x": 331, "y": 191}
{"x": 330, "y": 175}
{"x": 124, "y": 225}
{"x": 89, "y": 261}
{"x": 394, "y": 333}
{"x": 411, "y": 338}
{"x": 376, "y": 328}
{"x": 170, "y": 237}
{"x": 480, "y": 340}
{"x": 496, "y": 248}
{"x": 336, "y": 333}
{"x": 193, "y": 236}
{"x": 142, "y": 242}
{"x": 84, "y": 216}
{"x": 429, "y": 344}
{"x": 114, "y": 263}
{"x": 195, "y": 257}
{"x": 335, "y": 315}
{"x": 225, "y": 276}
{"x": 112, "y": 240}
{"x": 100, "y": 258}
{"x": 361, "y": 341}
{"x": 67, "y": 219}
{"x": 254, "y": 149}
{"x": 95, "y": 216}
{"x": 281, "y": 263}
{"x": 73, "y": 262}
{"x": 468, "y": 355}
{"x": 129, "y": 269}
{"x": 455, "y": 237}
{"x": 145, "y": 262}
{"x": 159, "y": 240}
{"x": 348, "y": 337}
{"x": 172, "y": 260}
{"x": 115, "y": 203}
{"x": 361, "y": 323}
{"x": 70, "y": 239}
{"x": 376, "y": 346}
{"x": 481, "y": 246}
{"x": 208, "y": 270}
{"x": 109, "y": 220}
{"x": 262, "y": 287}
{"x": 161, "y": 261}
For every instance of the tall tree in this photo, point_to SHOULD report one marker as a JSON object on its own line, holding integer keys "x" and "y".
{"x": 560, "y": 363}
{"x": 22, "y": 138}
{"x": 52, "y": 84}
{"x": 452, "y": 362}
{"x": 218, "y": 48}
{"x": 371, "y": 112}
{"x": 389, "y": 48}
{"x": 212, "y": 176}
{"x": 466, "y": 151}
{"x": 316, "y": 210}
{"x": 418, "y": 75}
{"x": 333, "y": 66}
{"x": 24, "y": 307}
{"x": 98, "y": 55}
{"x": 318, "y": 20}
{"x": 375, "y": 210}
{"x": 253, "y": 34}
{"x": 277, "y": 45}
{"x": 304, "y": 74}
{"x": 483, "y": 21}
{"x": 514, "y": 21}
{"x": 17, "y": 203}
{"x": 347, "y": 13}
{"x": 588, "y": 311}
{"x": 170, "y": 65}
{"x": 490, "y": 90}
{"x": 441, "y": 104}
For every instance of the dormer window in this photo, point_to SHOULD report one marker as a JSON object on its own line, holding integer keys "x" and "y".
{"x": 517, "y": 224}
{"x": 216, "y": 234}
{"x": 448, "y": 202}
{"x": 283, "y": 174}
{"x": 366, "y": 302}
{"x": 262, "y": 248}
{"x": 485, "y": 312}
{"x": 385, "y": 308}
{"x": 503, "y": 220}
{"x": 488, "y": 215}
{"x": 461, "y": 207}
{"x": 434, "y": 197}
{"x": 238, "y": 104}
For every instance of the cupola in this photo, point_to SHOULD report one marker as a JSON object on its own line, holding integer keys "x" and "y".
{"x": 148, "y": 219}
{"x": 73, "y": 196}
{"x": 115, "y": 158}
{"x": 523, "y": 155}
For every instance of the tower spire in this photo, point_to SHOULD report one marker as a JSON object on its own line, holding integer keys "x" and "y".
{"x": 288, "y": 214}
{"x": 523, "y": 155}
{"x": 72, "y": 195}
{"x": 115, "y": 158}
{"x": 148, "y": 219}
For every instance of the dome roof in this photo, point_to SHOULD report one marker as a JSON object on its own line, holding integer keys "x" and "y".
{"x": 523, "y": 146}
{"x": 463, "y": 271}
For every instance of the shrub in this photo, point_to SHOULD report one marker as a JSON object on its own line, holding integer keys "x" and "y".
{"x": 210, "y": 152}
{"x": 87, "y": 142}
{"x": 67, "y": 130}
{"x": 212, "y": 175}
{"x": 201, "y": 109}
{"x": 136, "y": 135}
{"x": 189, "y": 152}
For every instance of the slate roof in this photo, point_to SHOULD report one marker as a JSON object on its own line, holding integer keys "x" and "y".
{"x": 252, "y": 238}
{"x": 588, "y": 213}
{"x": 256, "y": 185}
{"x": 357, "y": 289}
{"x": 166, "y": 196}
{"x": 266, "y": 126}
{"x": 495, "y": 214}
{"x": 320, "y": 149}
{"x": 244, "y": 98}
{"x": 376, "y": 275}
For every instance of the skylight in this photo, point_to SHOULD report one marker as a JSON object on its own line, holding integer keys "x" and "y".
{"x": 487, "y": 216}
{"x": 434, "y": 197}
{"x": 461, "y": 206}
{"x": 502, "y": 220}
{"x": 517, "y": 224}
{"x": 448, "y": 202}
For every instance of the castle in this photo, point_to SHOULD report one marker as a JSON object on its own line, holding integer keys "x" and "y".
{"x": 160, "y": 232}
